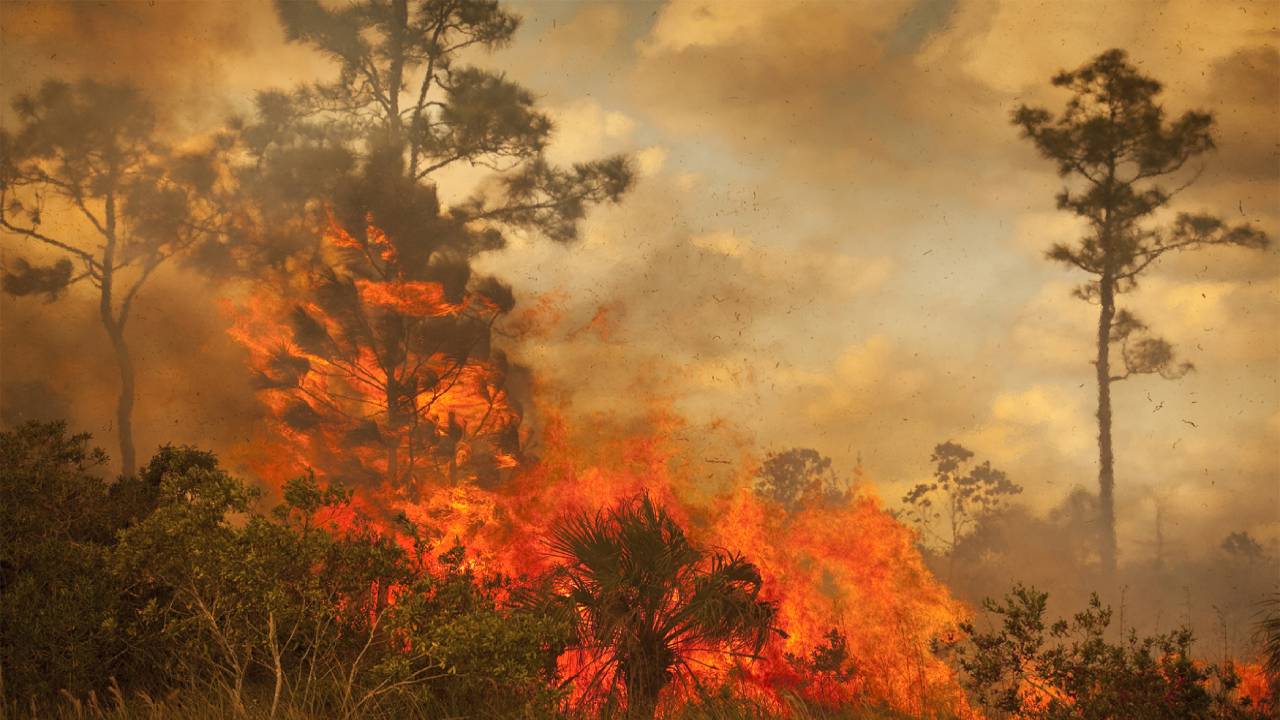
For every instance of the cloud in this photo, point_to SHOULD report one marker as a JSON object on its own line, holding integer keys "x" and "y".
{"x": 1001, "y": 43}
{"x": 594, "y": 29}
{"x": 585, "y": 130}
{"x": 651, "y": 160}
{"x": 685, "y": 24}
{"x": 198, "y": 61}
{"x": 1038, "y": 418}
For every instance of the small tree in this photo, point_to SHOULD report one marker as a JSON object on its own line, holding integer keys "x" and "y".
{"x": 798, "y": 477}
{"x": 90, "y": 152}
{"x": 1242, "y": 545}
{"x": 1113, "y": 146}
{"x": 646, "y": 601}
{"x": 960, "y": 495}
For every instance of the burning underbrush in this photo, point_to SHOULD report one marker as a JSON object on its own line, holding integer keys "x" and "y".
{"x": 381, "y": 376}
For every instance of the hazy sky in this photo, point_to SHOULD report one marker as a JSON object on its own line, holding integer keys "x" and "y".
{"x": 837, "y": 240}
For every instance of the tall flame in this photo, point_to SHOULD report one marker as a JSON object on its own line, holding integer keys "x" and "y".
{"x": 848, "y": 571}
{"x": 382, "y": 379}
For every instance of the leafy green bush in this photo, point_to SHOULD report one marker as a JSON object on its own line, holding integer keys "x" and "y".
{"x": 175, "y": 580}
{"x": 57, "y": 595}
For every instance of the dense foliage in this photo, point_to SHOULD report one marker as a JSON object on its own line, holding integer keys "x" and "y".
{"x": 173, "y": 593}
{"x": 647, "y": 601}
{"x": 174, "y": 579}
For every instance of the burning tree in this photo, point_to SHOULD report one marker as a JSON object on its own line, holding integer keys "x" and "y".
{"x": 799, "y": 477}
{"x": 380, "y": 345}
{"x": 403, "y": 103}
{"x": 1027, "y": 666}
{"x": 1113, "y": 145}
{"x": 383, "y": 369}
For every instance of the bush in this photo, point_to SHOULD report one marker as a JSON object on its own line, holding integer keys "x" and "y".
{"x": 175, "y": 580}
{"x": 1068, "y": 670}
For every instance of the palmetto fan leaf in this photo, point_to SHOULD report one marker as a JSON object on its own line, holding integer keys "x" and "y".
{"x": 646, "y": 601}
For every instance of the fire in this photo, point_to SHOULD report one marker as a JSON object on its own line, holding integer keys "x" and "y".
{"x": 377, "y": 375}
{"x": 446, "y": 454}
{"x": 1255, "y": 686}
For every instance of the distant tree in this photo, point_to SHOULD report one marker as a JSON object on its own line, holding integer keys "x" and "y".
{"x": 960, "y": 496}
{"x": 798, "y": 477}
{"x": 1113, "y": 145}
{"x": 90, "y": 152}
{"x": 646, "y": 601}
{"x": 1076, "y": 518}
{"x": 1030, "y": 668}
{"x": 1242, "y": 545}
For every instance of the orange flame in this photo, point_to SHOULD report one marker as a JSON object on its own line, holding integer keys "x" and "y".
{"x": 853, "y": 569}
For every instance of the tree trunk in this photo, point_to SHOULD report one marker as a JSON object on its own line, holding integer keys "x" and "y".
{"x": 124, "y": 405}
{"x": 395, "y": 73}
{"x": 395, "y": 423}
{"x": 642, "y": 700}
{"x": 115, "y": 330}
{"x": 643, "y": 678}
{"x": 1106, "y": 461}
{"x": 276, "y": 666}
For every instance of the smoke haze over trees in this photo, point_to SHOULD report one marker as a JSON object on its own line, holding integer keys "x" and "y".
{"x": 453, "y": 271}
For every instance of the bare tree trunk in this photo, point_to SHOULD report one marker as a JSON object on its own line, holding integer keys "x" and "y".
{"x": 276, "y": 666}
{"x": 1106, "y": 460}
{"x": 124, "y": 404}
{"x": 395, "y": 424}
{"x": 395, "y": 74}
{"x": 115, "y": 330}
{"x": 393, "y": 461}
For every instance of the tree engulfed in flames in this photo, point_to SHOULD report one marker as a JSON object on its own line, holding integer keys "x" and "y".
{"x": 379, "y": 375}
{"x": 385, "y": 381}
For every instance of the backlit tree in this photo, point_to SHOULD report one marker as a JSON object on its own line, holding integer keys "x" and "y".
{"x": 125, "y": 202}
{"x": 647, "y": 601}
{"x": 1114, "y": 147}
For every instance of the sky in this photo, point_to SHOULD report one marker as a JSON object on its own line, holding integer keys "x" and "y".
{"x": 836, "y": 240}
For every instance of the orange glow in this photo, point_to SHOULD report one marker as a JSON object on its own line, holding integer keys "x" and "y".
{"x": 853, "y": 569}
{"x": 352, "y": 404}
{"x": 1254, "y": 686}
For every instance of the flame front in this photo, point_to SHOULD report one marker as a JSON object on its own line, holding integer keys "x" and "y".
{"x": 384, "y": 380}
